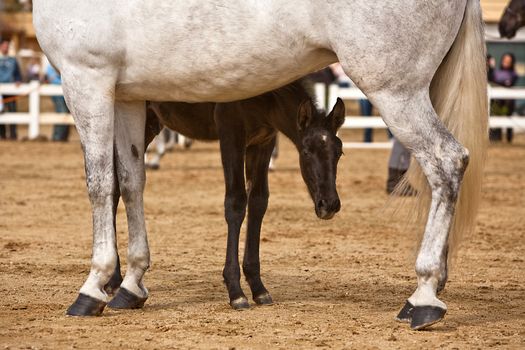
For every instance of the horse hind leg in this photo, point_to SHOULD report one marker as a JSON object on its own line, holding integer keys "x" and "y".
{"x": 129, "y": 142}
{"x": 443, "y": 160}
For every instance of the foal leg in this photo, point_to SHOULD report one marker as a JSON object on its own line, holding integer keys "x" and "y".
{"x": 443, "y": 160}
{"x": 90, "y": 95}
{"x": 232, "y": 142}
{"x": 257, "y": 164}
{"x": 130, "y": 121}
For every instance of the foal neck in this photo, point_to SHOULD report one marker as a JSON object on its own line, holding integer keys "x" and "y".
{"x": 287, "y": 101}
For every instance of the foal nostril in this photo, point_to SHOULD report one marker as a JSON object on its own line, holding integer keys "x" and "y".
{"x": 336, "y": 206}
{"x": 321, "y": 204}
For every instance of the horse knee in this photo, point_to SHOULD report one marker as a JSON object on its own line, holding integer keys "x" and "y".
{"x": 258, "y": 202}
{"x": 235, "y": 206}
{"x": 101, "y": 187}
{"x": 131, "y": 189}
{"x": 140, "y": 259}
{"x": 231, "y": 273}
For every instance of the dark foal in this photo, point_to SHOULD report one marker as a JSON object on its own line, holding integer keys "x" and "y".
{"x": 247, "y": 132}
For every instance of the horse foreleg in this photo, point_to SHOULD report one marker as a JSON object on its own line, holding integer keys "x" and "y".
{"x": 257, "y": 165}
{"x": 92, "y": 106}
{"x": 443, "y": 160}
{"x": 130, "y": 121}
{"x": 116, "y": 279}
{"x": 232, "y": 142}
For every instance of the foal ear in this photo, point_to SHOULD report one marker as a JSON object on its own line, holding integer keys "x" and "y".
{"x": 305, "y": 114}
{"x": 336, "y": 118}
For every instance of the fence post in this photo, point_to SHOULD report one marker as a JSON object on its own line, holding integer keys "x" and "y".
{"x": 333, "y": 93}
{"x": 34, "y": 109}
{"x": 320, "y": 94}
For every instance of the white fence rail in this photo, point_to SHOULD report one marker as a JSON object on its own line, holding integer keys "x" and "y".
{"x": 34, "y": 118}
{"x": 361, "y": 122}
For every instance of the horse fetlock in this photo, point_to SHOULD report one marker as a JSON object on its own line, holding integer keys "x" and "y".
{"x": 425, "y": 294}
{"x": 104, "y": 268}
{"x": 139, "y": 261}
{"x": 231, "y": 274}
{"x": 251, "y": 270}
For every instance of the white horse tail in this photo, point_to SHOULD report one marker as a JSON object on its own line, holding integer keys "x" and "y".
{"x": 459, "y": 95}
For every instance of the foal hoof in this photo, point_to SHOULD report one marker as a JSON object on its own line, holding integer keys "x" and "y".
{"x": 86, "y": 306}
{"x": 126, "y": 300}
{"x": 405, "y": 315}
{"x": 424, "y": 316}
{"x": 240, "y": 304}
{"x": 263, "y": 299}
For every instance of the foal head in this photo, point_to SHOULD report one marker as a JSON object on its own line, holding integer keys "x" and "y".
{"x": 319, "y": 152}
{"x": 513, "y": 18}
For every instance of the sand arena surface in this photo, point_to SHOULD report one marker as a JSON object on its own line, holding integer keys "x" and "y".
{"x": 336, "y": 284}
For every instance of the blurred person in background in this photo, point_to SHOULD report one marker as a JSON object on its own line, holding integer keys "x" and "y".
{"x": 33, "y": 69}
{"x": 60, "y": 131}
{"x": 505, "y": 76}
{"x": 9, "y": 73}
{"x": 397, "y": 167}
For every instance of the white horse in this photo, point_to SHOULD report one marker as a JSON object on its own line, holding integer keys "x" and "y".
{"x": 421, "y": 63}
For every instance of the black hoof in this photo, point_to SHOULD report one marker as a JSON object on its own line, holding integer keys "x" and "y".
{"x": 126, "y": 300}
{"x": 424, "y": 316}
{"x": 405, "y": 315}
{"x": 86, "y": 306}
{"x": 240, "y": 304}
{"x": 263, "y": 299}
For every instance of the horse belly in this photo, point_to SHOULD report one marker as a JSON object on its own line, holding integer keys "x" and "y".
{"x": 217, "y": 53}
{"x": 231, "y": 78}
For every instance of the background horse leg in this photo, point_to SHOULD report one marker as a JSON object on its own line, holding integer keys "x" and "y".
{"x": 257, "y": 165}
{"x": 232, "y": 142}
{"x": 90, "y": 97}
{"x": 156, "y": 150}
{"x": 443, "y": 160}
{"x": 130, "y": 122}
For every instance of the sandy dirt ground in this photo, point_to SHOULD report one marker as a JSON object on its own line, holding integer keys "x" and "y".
{"x": 336, "y": 284}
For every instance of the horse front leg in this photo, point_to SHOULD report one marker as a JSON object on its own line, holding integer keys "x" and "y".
{"x": 116, "y": 278}
{"x": 257, "y": 165}
{"x": 232, "y": 143}
{"x": 89, "y": 94}
{"x": 130, "y": 121}
{"x": 443, "y": 160}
